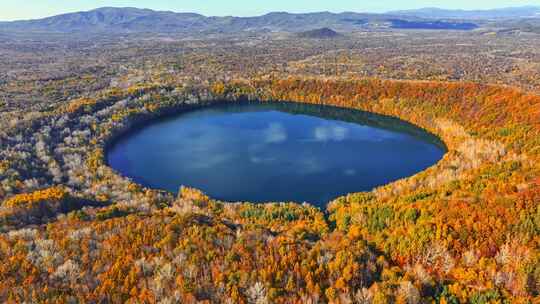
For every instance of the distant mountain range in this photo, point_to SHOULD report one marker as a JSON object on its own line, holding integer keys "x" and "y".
{"x": 501, "y": 13}
{"x": 134, "y": 20}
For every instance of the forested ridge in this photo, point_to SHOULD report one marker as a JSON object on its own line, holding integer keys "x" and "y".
{"x": 464, "y": 231}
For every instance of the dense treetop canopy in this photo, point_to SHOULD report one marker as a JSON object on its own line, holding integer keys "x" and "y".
{"x": 466, "y": 229}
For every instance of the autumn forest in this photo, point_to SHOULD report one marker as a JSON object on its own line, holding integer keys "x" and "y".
{"x": 466, "y": 230}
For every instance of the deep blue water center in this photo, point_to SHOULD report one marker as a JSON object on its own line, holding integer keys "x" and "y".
{"x": 274, "y": 152}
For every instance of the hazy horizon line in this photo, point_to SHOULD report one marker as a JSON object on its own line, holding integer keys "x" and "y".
{"x": 381, "y": 12}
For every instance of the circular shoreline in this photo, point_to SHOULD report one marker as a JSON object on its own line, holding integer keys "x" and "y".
{"x": 140, "y": 122}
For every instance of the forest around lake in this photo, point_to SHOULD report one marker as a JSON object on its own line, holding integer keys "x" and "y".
{"x": 465, "y": 230}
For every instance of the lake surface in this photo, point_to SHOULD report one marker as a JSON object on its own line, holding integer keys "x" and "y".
{"x": 262, "y": 152}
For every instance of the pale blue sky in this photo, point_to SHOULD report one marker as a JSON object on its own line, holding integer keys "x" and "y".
{"x": 27, "y": 9}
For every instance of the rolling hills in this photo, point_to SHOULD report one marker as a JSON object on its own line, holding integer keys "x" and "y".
{"x": 134, "y": 20}
{"x": 322, "y": 33}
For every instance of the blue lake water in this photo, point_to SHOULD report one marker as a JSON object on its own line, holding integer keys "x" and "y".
{"x": 274, "y": 152}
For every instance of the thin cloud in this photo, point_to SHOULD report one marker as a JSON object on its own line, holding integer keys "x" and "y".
{"x": 275, "y": 133}
{"x": 335, "y": 133}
